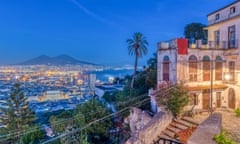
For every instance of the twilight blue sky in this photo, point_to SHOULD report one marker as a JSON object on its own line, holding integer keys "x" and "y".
{"x": 93, "y": 30}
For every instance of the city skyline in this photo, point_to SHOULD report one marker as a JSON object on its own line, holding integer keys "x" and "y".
{"x": 93, "y": 31}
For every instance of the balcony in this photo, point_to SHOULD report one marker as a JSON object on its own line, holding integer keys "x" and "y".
{"x": 215, "y": 45}
{"x": 167, "y": 45}
{"x": 223, "y": 18}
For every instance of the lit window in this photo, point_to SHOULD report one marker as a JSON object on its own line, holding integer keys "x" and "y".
{"x": 218, "y": 68}
{"x": 206, "y": 68}
{"x": 193, "y": 68}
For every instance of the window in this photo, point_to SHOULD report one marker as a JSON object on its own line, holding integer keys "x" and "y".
{"x": 218, "y": 68}
{"x": 231, "y": 36}
{"x": 217, "y": 38}
{"x": 217, "y": 16}
{"x": 231, "y": 67}
{"x": 232, "y": 10}
{"x": 193, "y": 68}
{"x": 194, "y": 99}
{"x": 166, "y": 62}
{"x": 206, "y": 68}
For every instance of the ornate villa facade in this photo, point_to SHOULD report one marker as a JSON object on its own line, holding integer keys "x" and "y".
{"x": 207, "y": 68}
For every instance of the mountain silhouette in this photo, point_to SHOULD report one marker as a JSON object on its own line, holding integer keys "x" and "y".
{"x": 58, "y": 60}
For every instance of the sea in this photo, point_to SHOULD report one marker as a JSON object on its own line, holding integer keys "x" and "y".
{"x": 107, "y": 75}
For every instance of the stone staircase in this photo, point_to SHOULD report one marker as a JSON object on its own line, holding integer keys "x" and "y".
{"x": 176, "y": 126}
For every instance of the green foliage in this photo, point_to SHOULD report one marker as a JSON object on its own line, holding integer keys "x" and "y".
{"x": 195, "y": 31}
{"x": 176, "y": 100}
{"x": 82, "y": 115}
{"x": 137, "y": 46}
{"x": 17, "y": 116}
{"x": 92, "y": 111}
{"x": 109, "y": 97}
{"x": 33, "y": 137}
{"x": 148, "y": 78}
{"x": 222, "y": 139}
{"x": 237, "y": 111}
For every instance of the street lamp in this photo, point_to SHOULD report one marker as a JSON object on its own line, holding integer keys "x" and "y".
{"x": 227, "y": 76}
{"x": 211, "y": 86}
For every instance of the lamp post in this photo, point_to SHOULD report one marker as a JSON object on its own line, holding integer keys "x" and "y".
{"x": 211, "y": 87}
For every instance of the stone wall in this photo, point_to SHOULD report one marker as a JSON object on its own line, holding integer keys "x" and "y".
{"x": 149, "y": 132}
{"x": 207, "y": 130}
{"x": 138, "y": 119}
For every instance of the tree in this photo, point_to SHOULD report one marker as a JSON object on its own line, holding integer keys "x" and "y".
{"x": 137, "y": 46}
{"x": 195, "y": 31}
{"x": 17, "y": 116}
{"x": 94, "y": 110}
{"x": 151, "y": 78}
{"x": 175, "y": 100}
{"x": 84, "y": 114}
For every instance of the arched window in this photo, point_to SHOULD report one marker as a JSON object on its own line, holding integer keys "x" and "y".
{"x": 166, "y": 58}
{"x": 218, "y": 68}
{"x": 166, "y": 62}
{"x": 193, "y": 68}
{"x": 206, "y": 68}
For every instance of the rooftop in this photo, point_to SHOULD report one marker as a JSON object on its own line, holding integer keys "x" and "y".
{"x": 224, "y": 7}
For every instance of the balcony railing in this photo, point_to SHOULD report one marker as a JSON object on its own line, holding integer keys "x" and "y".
{"x": 199, "y": 44}
{"x": 223, "y": 18}
{"x": 215, "y": 45}
{"x": 167, "y": 45}
{"x": 166, "y": 141}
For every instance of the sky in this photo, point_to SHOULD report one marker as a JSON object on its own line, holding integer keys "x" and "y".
{"x": 93, "y": 30}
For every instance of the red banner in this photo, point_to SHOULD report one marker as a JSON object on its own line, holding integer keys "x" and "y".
{"x": 182, "y": 45}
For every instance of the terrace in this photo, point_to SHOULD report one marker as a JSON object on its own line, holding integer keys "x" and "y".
{"x": 202, "y": 45}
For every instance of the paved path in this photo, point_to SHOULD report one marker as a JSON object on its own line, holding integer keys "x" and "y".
{"x": 230, "y": 123}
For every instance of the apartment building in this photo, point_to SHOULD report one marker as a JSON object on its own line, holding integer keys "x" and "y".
{"x": 210, "y": 70}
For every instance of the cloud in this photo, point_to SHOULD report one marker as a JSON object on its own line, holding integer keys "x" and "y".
{"x": 96, "y": 16}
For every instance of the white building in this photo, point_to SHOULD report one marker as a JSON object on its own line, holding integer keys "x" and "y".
{"x": 196, "y": 65}
{"x": 53, "y": 95}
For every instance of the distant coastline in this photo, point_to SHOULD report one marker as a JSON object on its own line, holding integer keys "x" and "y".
{"x": 104, "y": 75}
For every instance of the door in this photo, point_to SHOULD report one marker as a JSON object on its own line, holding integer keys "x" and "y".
{"x": 206, "y": 99}
{"x": 218, "y": 99}
{"x": 231, "y": 98}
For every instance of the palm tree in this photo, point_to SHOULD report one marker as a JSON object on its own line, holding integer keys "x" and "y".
{"x": 137, "y": 46}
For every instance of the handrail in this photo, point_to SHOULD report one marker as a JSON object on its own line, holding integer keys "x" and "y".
{"x": 166, "y": 141}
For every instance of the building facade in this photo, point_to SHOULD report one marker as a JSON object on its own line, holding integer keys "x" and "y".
{"x": 210, "y": 68}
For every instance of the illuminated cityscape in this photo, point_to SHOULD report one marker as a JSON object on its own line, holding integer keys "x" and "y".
{"x": 120, "y": 72}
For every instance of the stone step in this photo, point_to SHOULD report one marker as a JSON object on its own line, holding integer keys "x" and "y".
{"x": 190, "y": 120}
{"x": 173, "y": 129}
{"x": 186, "y": 123}
{"x": 179, "y": 126}
{"x": 162, "y": 135}
{"x": 169, "y": 133}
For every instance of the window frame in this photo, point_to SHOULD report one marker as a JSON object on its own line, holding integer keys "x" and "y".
{"x": 232, "y": 10}
{"x": 193, "y": 68}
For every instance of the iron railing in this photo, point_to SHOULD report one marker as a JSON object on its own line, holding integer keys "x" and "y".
{"x": 199, "y": 44}
{"x": 166, "y": 141}
{"x": 215, "y": 45}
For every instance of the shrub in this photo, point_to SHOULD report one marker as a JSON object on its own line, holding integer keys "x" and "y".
{"x": 222, "y": 139}
{"x": 175, "y": 100}
{"x": 237, "y": 111}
